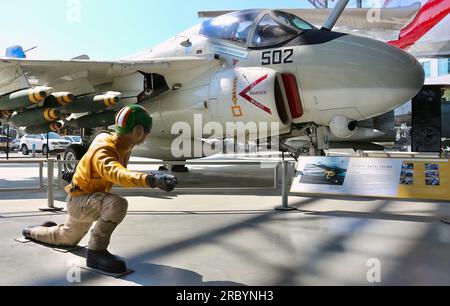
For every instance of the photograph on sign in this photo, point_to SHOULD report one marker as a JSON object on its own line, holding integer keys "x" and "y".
{"x": 432, "y": 177}
{"x": 407, "y": 174}
{"x": 331, "y": 173}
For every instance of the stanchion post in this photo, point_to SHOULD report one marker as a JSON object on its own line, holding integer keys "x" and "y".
{"x": 48, "y": 146}
{"x": 50, "y": 196}
{"x": 7, "y": 142}
{"x": 41, "y": 176}
{"x": 285, "y": 192}
{"x": 60, "y": 170}
{"x": 275, "y": 177}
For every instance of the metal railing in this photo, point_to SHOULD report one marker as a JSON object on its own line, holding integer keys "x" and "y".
{"x": 39, "y": 162}
{"x": 60, "y": 184}
{"x": 405, "y": 155}
{"x": 275, "y": 164}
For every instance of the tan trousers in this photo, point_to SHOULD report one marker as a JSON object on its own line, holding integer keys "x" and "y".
{"x": 107, "y": 209}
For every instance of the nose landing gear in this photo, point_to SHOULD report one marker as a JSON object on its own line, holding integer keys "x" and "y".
{"x": 310, "y": 145}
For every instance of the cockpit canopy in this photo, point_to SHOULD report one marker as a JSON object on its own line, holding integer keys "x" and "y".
{"x": 255, "y": 28}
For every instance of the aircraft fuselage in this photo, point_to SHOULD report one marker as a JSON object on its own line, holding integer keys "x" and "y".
{"x": 318, "y": 76}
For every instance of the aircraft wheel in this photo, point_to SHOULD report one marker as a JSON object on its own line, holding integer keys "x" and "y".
{"x": 72, "y": 154}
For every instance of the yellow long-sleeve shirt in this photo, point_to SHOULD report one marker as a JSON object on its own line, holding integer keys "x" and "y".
{"x": 103, "y": 166}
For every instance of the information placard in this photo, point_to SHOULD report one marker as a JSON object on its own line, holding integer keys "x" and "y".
{"x": 375, "y": 177}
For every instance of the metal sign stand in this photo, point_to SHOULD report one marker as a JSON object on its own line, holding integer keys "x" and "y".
{"x": 445, "y": 220}
{"x": 7, "y": 142}
{"x": 48, "y": 148}
{"x": 50, "y": 196}
{"x": 285, "y": 192}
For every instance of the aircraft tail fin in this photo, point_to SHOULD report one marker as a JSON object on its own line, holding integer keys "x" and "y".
{"x": 15, "y": 52}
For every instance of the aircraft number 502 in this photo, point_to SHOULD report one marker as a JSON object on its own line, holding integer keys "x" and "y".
{"x": 277, "y": 57}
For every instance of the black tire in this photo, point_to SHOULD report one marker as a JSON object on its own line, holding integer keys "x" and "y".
{"x": 45, "y": 150}
{"x": 25, "y": 150}
{"x": 73, "y": 153}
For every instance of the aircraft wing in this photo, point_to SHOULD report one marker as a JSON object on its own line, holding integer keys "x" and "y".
{"x": 326, "y": 168}
{"x": 37, "y": 93}
{"x": 60, "y": 73}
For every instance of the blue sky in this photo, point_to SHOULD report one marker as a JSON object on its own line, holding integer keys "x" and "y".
{"x": 106, "y": 29}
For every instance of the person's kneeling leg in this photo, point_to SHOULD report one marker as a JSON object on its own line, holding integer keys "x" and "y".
{"x": 69, "y": 234}
{"x": 113, "y": 211}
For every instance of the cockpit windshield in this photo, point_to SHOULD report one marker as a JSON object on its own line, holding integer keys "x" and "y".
{"x": 278, "y": 27}
{"x": 256, "y": 28}
{"x": 233, "y": 27}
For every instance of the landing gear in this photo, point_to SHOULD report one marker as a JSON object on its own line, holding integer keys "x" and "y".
{"x": 73, "y": 154}
{"x": 294, "y": 152}
{"x": 313, "y": 142}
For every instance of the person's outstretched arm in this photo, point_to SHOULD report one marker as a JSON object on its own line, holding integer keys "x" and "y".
{"x": 106, "y": 163}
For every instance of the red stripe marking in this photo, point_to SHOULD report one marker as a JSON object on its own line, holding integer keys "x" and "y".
{"x": 433, "y": 12}
{"x": 124, "y": 123}
{"x": 293, "y": 95}
{"x": 244, "y": 95}
{"x": 118, "y": 115}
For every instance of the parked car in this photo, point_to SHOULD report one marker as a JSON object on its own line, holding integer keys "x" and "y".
{"x": 4, "y": 143}
{"x": 56, "y": 144}
{"x": 16, "y": 143}
{"x": 74, "y": 139}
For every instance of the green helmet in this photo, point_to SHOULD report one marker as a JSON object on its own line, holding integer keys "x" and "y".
{"x": 128, "y": 117}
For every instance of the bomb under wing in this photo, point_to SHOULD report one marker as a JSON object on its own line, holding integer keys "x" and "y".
{"x": 24, "y": 98}
{"x": 36, "y": 117}
{"x": 92, "y": 103}
{"x": 59, "y": 99}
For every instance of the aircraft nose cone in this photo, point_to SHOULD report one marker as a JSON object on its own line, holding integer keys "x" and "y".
{"x": 388, "y": 68}
{"x": 358, "y": 73}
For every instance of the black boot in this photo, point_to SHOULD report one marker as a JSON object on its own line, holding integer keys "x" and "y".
{"x": 105, "y": 261}
{"x": 27, "y": 231}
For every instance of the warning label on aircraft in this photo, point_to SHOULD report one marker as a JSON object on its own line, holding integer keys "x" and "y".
{"x": 374, "y": 177}
{"x": 245, "y": 94}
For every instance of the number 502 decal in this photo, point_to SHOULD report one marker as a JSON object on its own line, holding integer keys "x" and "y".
{"x": 277, "y": 57}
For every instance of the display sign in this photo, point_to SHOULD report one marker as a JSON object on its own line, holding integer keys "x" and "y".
{"x": 374, "y": 177}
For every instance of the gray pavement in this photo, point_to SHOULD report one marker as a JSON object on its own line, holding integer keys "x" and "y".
{"x": 221, "y": 237}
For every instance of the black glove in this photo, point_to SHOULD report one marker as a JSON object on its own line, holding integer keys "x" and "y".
{"x": 68, "y": 176}
{"x": 164, "y": 182}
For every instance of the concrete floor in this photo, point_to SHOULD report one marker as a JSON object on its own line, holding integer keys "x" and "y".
{"x": 235, "y": 238}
